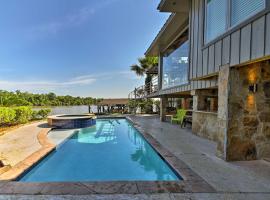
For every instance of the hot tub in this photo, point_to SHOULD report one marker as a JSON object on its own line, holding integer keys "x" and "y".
{"x": 72, "y": 121}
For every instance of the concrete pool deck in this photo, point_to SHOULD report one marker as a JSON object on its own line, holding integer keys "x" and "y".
{"x": 199, "y": 154}
{"x": 234, "y": 180}
{"x": 22, "y": 148}
{"x": 18, "y": 144}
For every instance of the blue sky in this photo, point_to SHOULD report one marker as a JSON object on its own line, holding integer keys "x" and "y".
{"x": 75, "y": 47}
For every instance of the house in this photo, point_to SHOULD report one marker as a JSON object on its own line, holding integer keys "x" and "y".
{"x": 214, "y": 60}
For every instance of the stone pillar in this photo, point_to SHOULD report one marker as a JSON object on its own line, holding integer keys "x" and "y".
{"x": 243, "y": 115}
{"x": 163, "y": 107}
{"x": 222, "y": 117}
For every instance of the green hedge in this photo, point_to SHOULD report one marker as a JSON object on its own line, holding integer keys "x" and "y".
{"x": 20, "y": 115}
{"x": 23, "y": 114}
{"x": 7, "y": 115}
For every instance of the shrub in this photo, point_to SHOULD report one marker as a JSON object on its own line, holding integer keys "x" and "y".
{"x": 43, "y": 113}
{"x": 148, "y": 106}
{"x": 23, "y": 114}
{"x": 35, "y": 115}
{"x": 132, "y": 104}
{"x": 20, "y": 115}
{"x": 7, "y": 115}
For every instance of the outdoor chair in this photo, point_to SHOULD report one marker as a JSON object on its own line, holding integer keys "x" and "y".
{"x": 179, "y": 117}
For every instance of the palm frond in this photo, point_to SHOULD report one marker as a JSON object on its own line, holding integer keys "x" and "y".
{"x": 145, "y": 63}
{"x": 137, "y": 69}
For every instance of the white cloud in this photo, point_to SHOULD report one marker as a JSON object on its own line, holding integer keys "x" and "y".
{"x": 84, "y": 80}
{"x": 43, "y": 85}
{"x": 111, "y": 75}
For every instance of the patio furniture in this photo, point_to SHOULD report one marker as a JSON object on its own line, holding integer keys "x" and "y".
{"x": 187, "y": 119}
{"x": 179, "y": 117}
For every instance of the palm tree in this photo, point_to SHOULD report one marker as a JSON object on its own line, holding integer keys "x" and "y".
{"x": 140, "y": 69}
{"x": 144, "y": 64}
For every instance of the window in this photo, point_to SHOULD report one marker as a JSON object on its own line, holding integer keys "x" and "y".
{"x": 215, "y": 18}
{"x": 219, "y": 18}
{"x": 175, "y": 67}
{"x": 242, "y": 9}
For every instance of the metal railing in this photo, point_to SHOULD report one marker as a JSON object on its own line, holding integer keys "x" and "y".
{"x": 144, "y": 90}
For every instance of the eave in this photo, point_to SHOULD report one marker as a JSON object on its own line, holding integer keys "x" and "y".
{"x": 174, "y": 6}
{"x": 175, "y": 24}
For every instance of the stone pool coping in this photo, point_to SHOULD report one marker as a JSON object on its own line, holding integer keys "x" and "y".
{"x": 191, "y": 183}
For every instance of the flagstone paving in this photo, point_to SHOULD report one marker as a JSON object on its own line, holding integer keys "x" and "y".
{"x": 199, "y": 155}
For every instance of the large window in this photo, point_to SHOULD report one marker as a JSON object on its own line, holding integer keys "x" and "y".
{"x": 175, "y": 67}
{"x": 241, "y": 9}
{"x": 219, "y": 18}
{"x": 215, "y": 18}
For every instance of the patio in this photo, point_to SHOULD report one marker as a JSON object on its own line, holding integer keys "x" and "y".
{"x": 231, "y": 180}
{"x": 199, "y": 154}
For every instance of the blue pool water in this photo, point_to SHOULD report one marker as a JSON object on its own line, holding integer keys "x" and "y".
{"x": 113, "y": 150}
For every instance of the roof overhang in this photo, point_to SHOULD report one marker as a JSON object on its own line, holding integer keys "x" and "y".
{"x": 174, "y": 26}
{"x": 174, "y": 6}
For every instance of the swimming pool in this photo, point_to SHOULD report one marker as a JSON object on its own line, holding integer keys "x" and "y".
{"x": 113, "y": 150}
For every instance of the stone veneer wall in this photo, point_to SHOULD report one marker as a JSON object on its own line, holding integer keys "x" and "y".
{"x": 204, "y": 124}
{"x": 243, "y": 116}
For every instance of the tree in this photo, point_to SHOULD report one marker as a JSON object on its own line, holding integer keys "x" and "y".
{"x": 144, "y": 64}
{"x": 19, "y": 98}
{"x": 51, "y": 96}
{"x": 141, "y": 69}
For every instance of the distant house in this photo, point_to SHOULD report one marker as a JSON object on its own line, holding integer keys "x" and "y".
{"x": 214, "y": 60}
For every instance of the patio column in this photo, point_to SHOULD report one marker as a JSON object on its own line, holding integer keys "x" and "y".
{"x": 244, "y": 112}
{"x": 163, "y": 107}
{"x": 222, "y": 118}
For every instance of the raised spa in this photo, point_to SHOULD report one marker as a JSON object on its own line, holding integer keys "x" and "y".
{"x": 72, "y": 121}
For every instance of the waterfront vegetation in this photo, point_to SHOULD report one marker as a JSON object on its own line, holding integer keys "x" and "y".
{"x": 17, "y": 107}
{"x": 13, "y": 117}
{"x": 20, "y": 115}
{"x": 18, "y": 98}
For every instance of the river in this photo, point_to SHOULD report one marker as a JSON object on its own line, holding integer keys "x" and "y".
{"x": 71, "y": 110}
